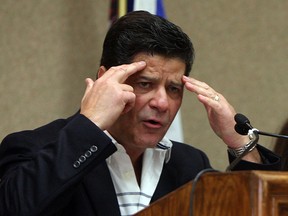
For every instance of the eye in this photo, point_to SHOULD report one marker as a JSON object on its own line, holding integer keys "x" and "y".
{"x": 144, "y": 85}
{"x": 174, "y": 89}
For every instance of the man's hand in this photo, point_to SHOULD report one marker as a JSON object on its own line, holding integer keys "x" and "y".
{"x": 221, "y": 116}
{"x": 108, "y": 97}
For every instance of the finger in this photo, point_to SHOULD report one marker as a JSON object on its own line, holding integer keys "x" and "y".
{"x": 130, "y": 102}
{"x": 208, "y": 101}
{"x": 126, "y": 87}
{"x": 201, "y": 88}
{"x": 122, "y": 72}
{"x": 196, "y": 82}
{"x": 130, "y": 69}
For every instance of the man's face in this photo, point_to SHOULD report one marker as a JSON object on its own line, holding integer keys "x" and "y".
{"x": 159, "y": 91}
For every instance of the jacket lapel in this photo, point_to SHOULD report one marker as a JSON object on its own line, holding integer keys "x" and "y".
{"x": 167, "y": 182}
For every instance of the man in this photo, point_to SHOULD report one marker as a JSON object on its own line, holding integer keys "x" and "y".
{"x": 112, "y": 157}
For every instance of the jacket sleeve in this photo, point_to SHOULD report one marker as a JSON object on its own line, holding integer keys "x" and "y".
{"x": 270, "y": 161}
{"x": 43, "y": 166}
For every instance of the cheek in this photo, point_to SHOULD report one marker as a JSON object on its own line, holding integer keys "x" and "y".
{"x": 175, "y": 107}
{"x": 141, "y": 101}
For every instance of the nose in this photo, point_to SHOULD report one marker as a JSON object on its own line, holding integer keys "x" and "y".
{"x": 160, "y": 100}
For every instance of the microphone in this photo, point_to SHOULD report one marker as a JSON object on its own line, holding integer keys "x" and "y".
{"x": 243, "y": 126}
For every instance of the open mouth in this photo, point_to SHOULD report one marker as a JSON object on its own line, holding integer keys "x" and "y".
{"x": 152, "y": 123}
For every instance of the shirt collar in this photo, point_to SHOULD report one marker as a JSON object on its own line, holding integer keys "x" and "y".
{"x": 164, "y": 145}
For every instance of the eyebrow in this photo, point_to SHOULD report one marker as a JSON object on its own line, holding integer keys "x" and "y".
{"x": 148, "y": 78}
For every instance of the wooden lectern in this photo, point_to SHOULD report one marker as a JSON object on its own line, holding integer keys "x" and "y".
{"x": 243, "y": 193}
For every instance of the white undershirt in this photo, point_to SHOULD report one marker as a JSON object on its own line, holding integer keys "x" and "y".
{"x": 131, "y": 197}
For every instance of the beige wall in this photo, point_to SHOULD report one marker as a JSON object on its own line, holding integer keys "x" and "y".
{"x": 49, "y": 47}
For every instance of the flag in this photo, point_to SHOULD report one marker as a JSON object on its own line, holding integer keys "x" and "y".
{"x": 119, "y": 8}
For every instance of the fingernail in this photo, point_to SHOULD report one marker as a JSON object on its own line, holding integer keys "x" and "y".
{"x": 185, "y": 77}
{"x": 142, "y": 63}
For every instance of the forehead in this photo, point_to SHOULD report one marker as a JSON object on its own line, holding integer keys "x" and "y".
{"x": 159, "y": 66}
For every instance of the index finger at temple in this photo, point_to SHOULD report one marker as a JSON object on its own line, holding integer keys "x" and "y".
{"x": 130, "y": 69}
{"x": 197, "y": 82}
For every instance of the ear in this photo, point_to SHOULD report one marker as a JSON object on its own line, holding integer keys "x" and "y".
{"x": 101, "y": 71}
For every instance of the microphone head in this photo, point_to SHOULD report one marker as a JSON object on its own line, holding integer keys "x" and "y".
{"x": 241, "y": 119}
{"x": 241, "y": 129}
{"x": 242, "y": 124}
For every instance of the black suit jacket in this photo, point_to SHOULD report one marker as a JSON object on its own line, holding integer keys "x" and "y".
{"x": 43, "y": 171}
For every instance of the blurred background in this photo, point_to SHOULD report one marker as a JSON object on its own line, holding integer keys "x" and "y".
{"x": 49, "y": 47}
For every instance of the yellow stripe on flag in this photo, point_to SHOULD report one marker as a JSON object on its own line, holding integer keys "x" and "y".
{"x": 122, "y": 8}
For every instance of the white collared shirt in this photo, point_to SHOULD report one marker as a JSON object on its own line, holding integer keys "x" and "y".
{"x": 131, "y": 197}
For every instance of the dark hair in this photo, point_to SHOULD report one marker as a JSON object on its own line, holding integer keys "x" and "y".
{"x": 281, "y": 146}
{"x": 140, "y": 31}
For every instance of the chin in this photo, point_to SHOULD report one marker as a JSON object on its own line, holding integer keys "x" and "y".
{"x": 150, "y": 141}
